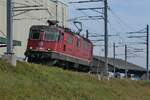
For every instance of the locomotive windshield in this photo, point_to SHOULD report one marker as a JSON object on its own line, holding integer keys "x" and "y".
{"x": 35, "y": 34}
{"x": 51, "y": 35}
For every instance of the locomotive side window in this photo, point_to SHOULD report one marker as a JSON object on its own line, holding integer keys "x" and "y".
{"x": 52, "y": 35}
{"x": 70, "y": 39}
{"x": 85, "y": 45}
{"x": 35, "y": 34}
{"x": 78, "y": 43}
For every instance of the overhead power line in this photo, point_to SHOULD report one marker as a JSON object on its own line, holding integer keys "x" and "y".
{"x": 90, "y": 8}
{"x": 146, "y": 35}
{"x": 120, "y": 19}
{"x": 86, "y": 1}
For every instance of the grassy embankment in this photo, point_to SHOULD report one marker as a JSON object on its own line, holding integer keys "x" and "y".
{"x": 36, "y": 82}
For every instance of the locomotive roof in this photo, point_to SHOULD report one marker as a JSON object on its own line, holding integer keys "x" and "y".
{"x": 42, "y": 27}
{"x": 59, "y": 28}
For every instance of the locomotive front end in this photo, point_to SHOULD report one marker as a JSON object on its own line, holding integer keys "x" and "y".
{"x": 42, "y": 41}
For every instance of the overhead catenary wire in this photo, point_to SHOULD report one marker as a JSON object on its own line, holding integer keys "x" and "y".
{"x": 29, "y": 3}
{"x": 123, "y": 25}
{"x": 85, "y": 14}
{"x": 120, "y": 19}
{"x": 86, "y": 1}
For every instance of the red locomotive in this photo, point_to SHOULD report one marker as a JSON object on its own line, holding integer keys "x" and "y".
{"x": 56, "y": 45}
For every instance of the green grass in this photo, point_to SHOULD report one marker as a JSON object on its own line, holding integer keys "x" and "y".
{"x": 37, "y": 82}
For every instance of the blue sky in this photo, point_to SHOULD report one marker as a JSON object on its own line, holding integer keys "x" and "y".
{"x": 133, "y": 16}
{"x": 134, "y": 12}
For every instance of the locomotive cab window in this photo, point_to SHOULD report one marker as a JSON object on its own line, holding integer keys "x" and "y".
{"x": 85, "y": 45}
{"x": 51, "y": 35}
{"x": 34, "y": 34}
{"x": 70, "y": 39}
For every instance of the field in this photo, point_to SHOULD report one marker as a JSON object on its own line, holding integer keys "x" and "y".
{"x": 36, "y": 82}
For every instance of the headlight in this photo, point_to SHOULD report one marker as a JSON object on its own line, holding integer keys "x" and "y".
{"x": 31, "y": 48}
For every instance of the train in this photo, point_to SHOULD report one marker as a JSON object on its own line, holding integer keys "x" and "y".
{"x": 55, "y": 45}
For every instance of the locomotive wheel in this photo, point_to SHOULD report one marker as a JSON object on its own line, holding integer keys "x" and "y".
{"x": 52, "y": 62}
{"x": 30, "y": 59}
